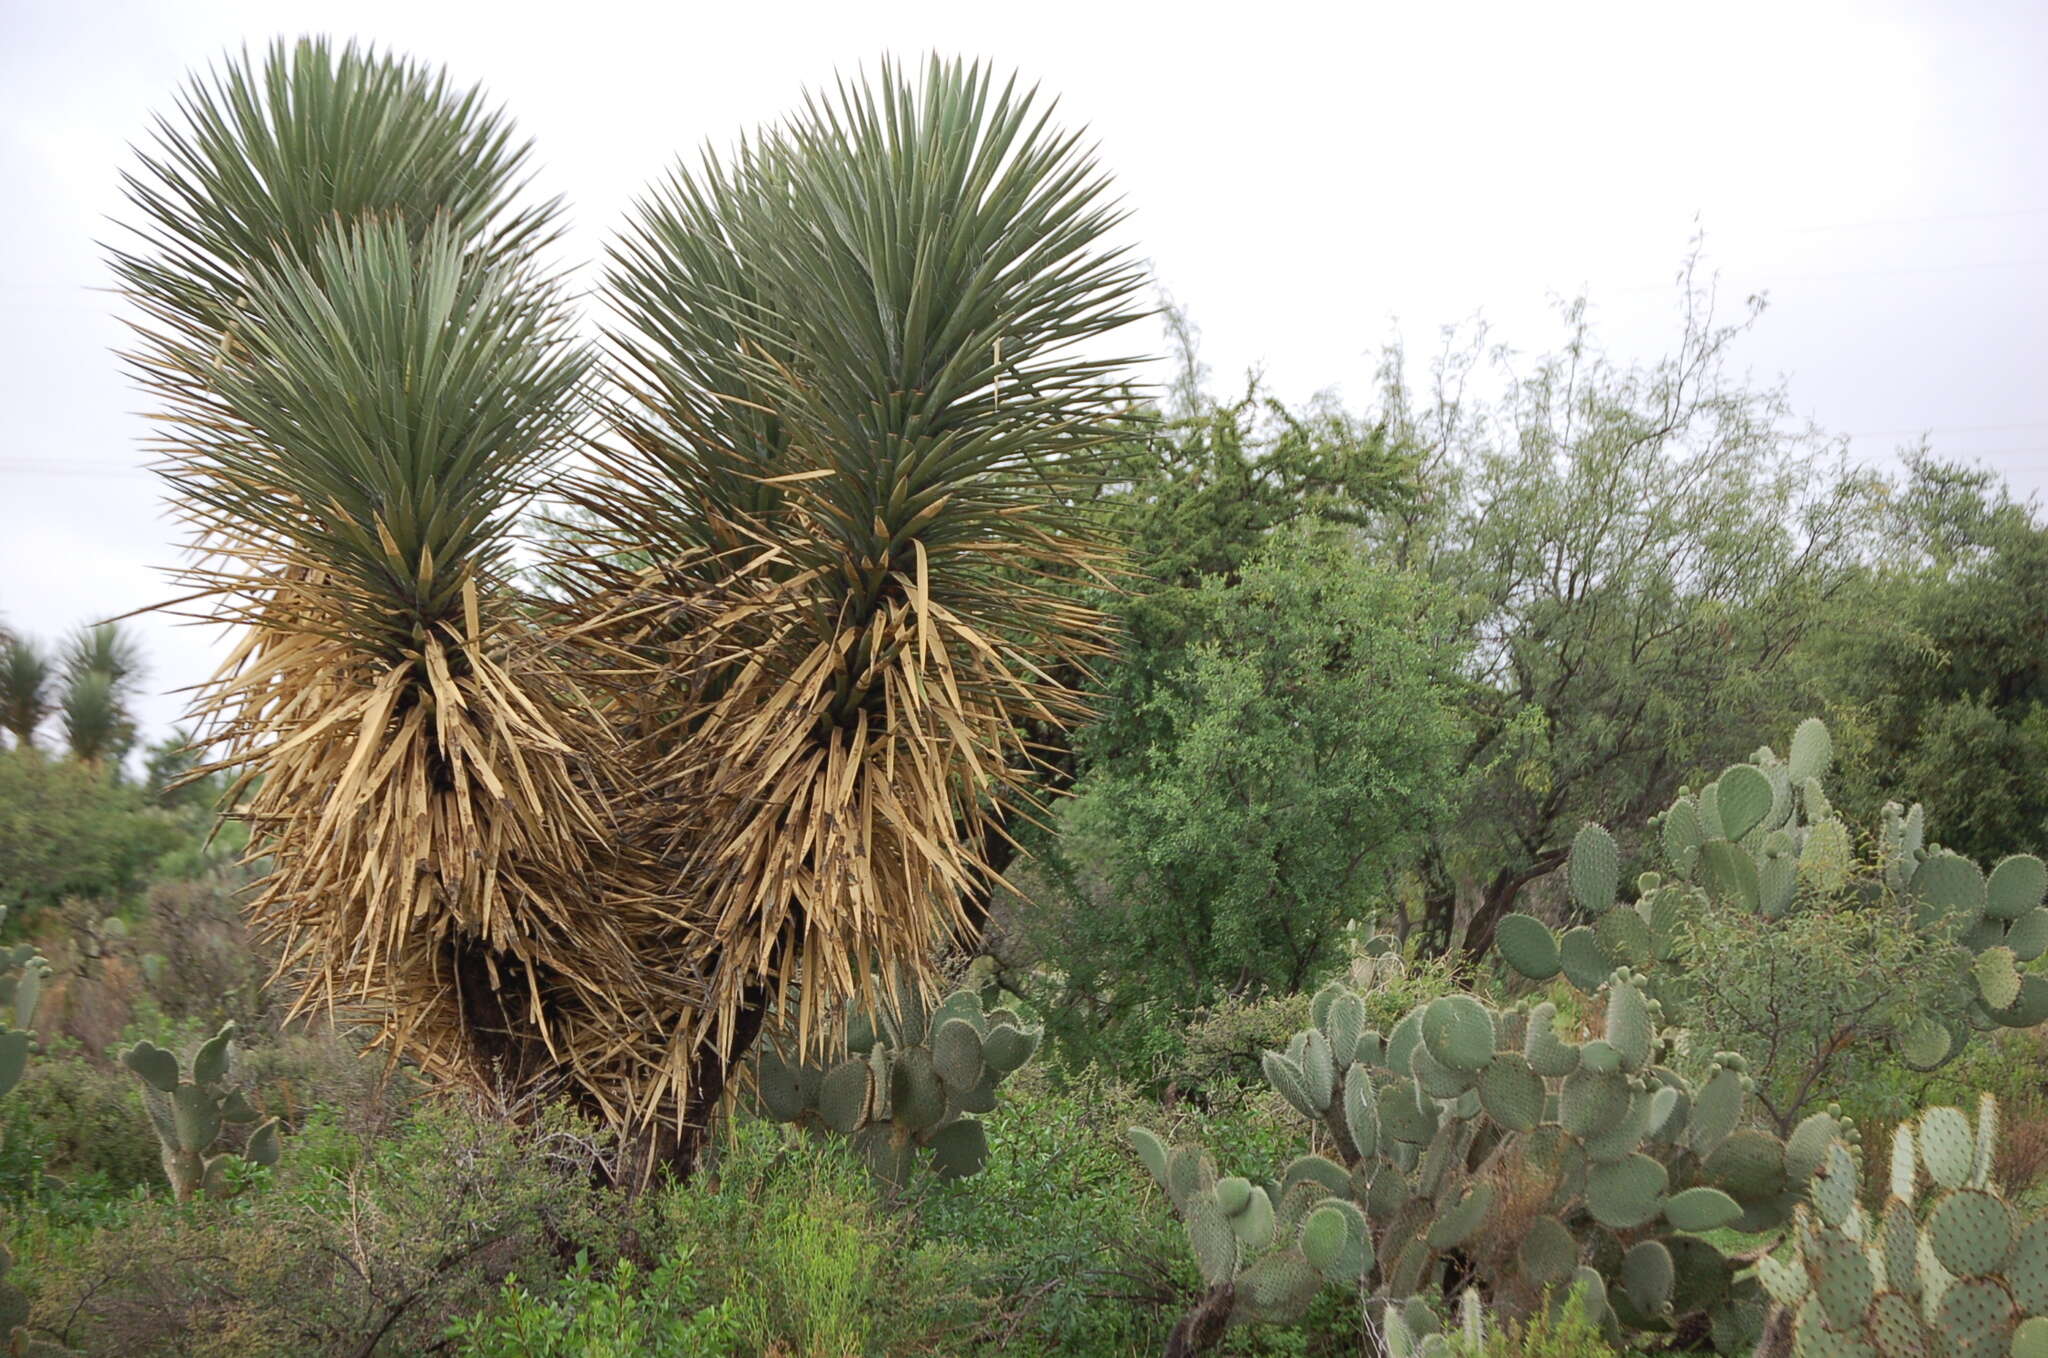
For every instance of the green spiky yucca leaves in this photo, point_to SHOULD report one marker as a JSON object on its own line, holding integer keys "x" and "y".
{"x": 262, "y": 159}
{"x": 860, "y": 405}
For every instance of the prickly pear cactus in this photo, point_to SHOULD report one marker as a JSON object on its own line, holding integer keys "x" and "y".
{"x": 22, "y": 972}
{"x": 188, "y": 1114}
{"x": 1264, "y": 1250}
{"x": 1959, "y": 1272}
{"x": 1762, "y": 836}
{"x": 906, "y": 1085}
{"x": 1484, "y": 1144}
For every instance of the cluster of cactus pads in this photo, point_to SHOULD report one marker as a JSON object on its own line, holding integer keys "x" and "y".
{"x": 906, "y": 1085}
{"x": 189, "y": 1114}
{"x": 1961, "y": 1274}
{"x": 22, "y": 971}
{"x": 1758, "y": 837}
{"x": 1481, "y": 1147}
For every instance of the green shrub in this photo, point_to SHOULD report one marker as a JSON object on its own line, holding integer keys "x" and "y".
{"x": 424, "y": 1229}
{"x": 792, "y": 1242}
{"x": 1562, "y": 1331}
{"x": 627, "y": 1313}
{"x": 66, "y": 830}
{"x": 198, "y": 956}
{"x": 86, "y": 1121}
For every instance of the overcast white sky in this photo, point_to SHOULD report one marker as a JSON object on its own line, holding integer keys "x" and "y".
{"x": 1308, "y": 180}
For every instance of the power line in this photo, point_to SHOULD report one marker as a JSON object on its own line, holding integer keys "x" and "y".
{"x": 1916, "y": 221}
{"x": 1945, "y": 429}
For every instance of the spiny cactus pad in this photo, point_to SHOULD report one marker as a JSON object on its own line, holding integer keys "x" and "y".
{"x": 1594, "y": 870}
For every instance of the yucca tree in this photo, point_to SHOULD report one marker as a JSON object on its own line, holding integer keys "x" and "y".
{"x": 366, "y": 374}
{"x": 738, "y": 767}
{"x": 25, "y": 680}
{"x": 97, "y": 728}
{"x": 863, "y": 390}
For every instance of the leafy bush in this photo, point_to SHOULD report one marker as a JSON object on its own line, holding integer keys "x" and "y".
{"x": 628, "y": 1313}
{"x": 1815, "y": 1000}
{"x": 201, "y": 962}
{"x": 1254, "y": 795}
{"x": 67, "y": 830}
{"x": 424, "y": 1229}
{"x": 85, "y": 1123}
{"x": 785, "y": 1248}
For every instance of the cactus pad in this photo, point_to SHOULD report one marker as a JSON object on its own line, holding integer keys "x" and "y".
{"x": 1594, "y": 870}
{"x": 2031, "y": 1008}
{"x": 960, "y": 1149}
{"x": 1007, "y": 1047}
{"x": 1548, "y": 1054}
{"x": 956, "y": 1053}
{"x": 1893, "y": 1324}
{"x": 1749, "y": 1165}
{"x": 1785, "y": 1280}
{"x": 1330, "y": 1176}
{"x": 1591, "y": 1102}
{"x": 2027, "y": 1271}
{"x": 1628, "y": 1024}
{"x": 1456, "y": 1226}
{"x": 155, "y": 1065}
{"x": 1683, "y": 835}
{"x": 1947, "y": 1147}
{"x": 1624, "y": 937}
{"x": 1950, "y": 888}
{"x": 1998, "y": 977}
{"x": 210, "y": 1066}
{"x": 1584, "y": 963}
{"x": 1151, "y": 1150}
{"x": 1626, "y": 1193}
{"x": 1842, "y": 1280}
{"x": 1214, "y": 1243}
{"x": 1647, "y": 1276}
{"x": 1925, "y": 1044}
{"x": 1701, "y": 1209}
{"x": 1458, "y": 1032}
{"x": 845, "y": 1096}
{"x": 2028, "y": 935}
{"x": 1716, "y": 1111}
{"x": 1527, "y": 945}
{"x": 1744, "y": 800}
{"x": 2016, "y": 886}
{"x": 1548, "y": 1253}
{"x": 1278, "y": 1288}
{"x": 1343, "y": 1024}
{"x": 1812, "y": 751}
{"x": 782, "y": 1086}
{"x": 1511, "y": 1092}
{"x": 1975, "y": 1319}
{"x": 1285, "y": 1076}
{"x": 1323, "y": 1235}
{"x": 1807, "y": 1147}
{"x": 1972, "y": 1232}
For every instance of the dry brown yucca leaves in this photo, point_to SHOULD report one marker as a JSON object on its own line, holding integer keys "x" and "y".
{"x": 733, "y": 767}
